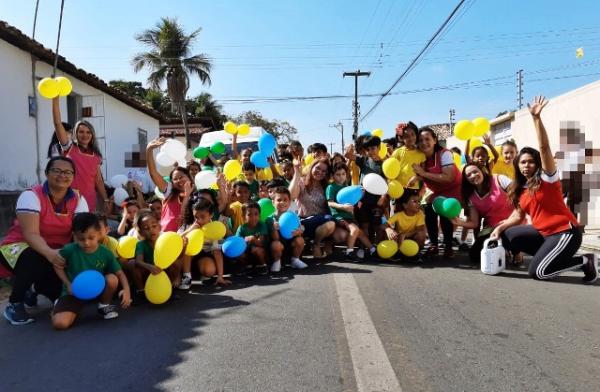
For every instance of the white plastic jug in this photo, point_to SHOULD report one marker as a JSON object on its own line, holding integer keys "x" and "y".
{"x": 493, "y": 260}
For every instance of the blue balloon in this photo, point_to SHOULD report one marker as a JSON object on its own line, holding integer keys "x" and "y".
{"x": 234, "y": 246}
{"x": 267, "y": 143}
{"x": 288, "y": 223}
{"x": 88, "y": 285}
{"x": 350, "y": 195}
{"x": 259, "y": 160}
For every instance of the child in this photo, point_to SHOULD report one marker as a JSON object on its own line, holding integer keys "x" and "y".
{"x": 281, "y": 200}
{"x": 210, "y": 259}
{"x": 130, "y": 209}
{"x": 241, "y": 195}
{"x": 149, "y": 228}
{"x": 274, "y": 184}
{"x": 155, "y": 205}
{"x": 85, "y": 254}
{"x": 343, "y": 214}
{"x": 505, "y": 165}
{"x": 408, "y": 154}
{"x": 249, "y": 171}
{"x": 480, "y": 155}
{"x": 109, "y": 242}
{"x": 408, "y": 223}
{"x": 254, "y": 232}
{"x": 263, "y": 190}
{"x": 287, "y": 171}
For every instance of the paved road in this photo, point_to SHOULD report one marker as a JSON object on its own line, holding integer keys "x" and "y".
{"x": 438, "y": 326}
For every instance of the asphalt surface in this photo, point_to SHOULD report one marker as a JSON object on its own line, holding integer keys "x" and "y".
{"x": 444, "y": 326}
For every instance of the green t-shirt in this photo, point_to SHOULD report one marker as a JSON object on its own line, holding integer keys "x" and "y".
{"x": 253, "y": 189}
{"x": 144, "y": 248}
{"x": 331, "y": 194}
{"x": 102, "y": 260}
{"x": 270, "y": 221}
{"x": 244, "y": 230}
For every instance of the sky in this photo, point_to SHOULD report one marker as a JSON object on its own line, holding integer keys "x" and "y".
{"x": 262, "y": 48}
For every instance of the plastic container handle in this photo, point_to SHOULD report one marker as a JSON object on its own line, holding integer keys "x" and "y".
{"x": 486, "y": 242}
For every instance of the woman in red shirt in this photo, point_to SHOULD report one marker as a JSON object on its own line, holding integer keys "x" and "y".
{"x": 554, "y": 235}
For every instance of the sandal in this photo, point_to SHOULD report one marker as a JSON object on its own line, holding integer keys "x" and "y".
{"x": 433, "y": 250}
{"x": 517, "y": 259}
{"x": 318, "y": 253}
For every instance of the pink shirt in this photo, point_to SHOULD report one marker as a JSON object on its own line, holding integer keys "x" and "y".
{"x": 493, "y": 207}
{"x": 171, "y": 210}
{"x": 86, "y": 169}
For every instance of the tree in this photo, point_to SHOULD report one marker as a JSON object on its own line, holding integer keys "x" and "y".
{"x": 169, "y": 60}
{"x": 282, "y": 130}
{"x": 205, "y": 106}
{"x": 133, "y": 89}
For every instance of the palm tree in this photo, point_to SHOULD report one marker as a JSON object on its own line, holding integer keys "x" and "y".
{"x": 169, "y": 59}
{"x": 204, "y": 105}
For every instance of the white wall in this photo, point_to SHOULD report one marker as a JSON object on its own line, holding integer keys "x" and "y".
{"x": 17, "y": 128}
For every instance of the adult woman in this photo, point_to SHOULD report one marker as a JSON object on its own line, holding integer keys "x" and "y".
{"x": 309, "y": 191}
{"x": 554, "y": 235}
{"x": 177, "y": 191}
{"x": 443, "y": 178}
{"x": 85, "y": 154}
{"x": 43, "y": 226}
{"x": 486, "y": 197}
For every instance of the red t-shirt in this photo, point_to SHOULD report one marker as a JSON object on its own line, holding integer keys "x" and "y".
{"x": 546, "y": 207}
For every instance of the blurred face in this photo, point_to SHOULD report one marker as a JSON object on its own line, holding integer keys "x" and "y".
{"x": 252, "y": 216}
{"x": 246, "y": 155}
{"x": 340, "y": 176}
{"x": 527, "y": 165}
{"x": 474, "y": 175}
{"x": 202, "y": 217}
{"x": 288, "y": 171}
{"x": 250, "y": 175}
{"x": 179, "y": 180}
{"x": 60, "y": 175}
{"x": 373, "y": 152}
{"x": 156, "y": 208}
{"x": 242, "y": 193}
{"x": 193, "y": 169}
{"x": 320, "y": 154}
{"x": 412, "y": 206}
{"x": 263, "y": 192}
{"x": 149, "y": 228}
{"x": 409, "y": 138}
{"x": 88, "y": 240}
{"x": 508, "y": 154}
{"x": 480, "y": 157}
{"x": 282, "y": 202}
{"x": 319, "y": 171}
{"x": 427, "y": 143}
{"x": 130, "y": 212}
{"x": 104, "y": 230}
{"x": 84, "y": 135}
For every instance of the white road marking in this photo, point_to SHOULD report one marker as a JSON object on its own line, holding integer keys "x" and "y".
{"x": 372, "y": 367}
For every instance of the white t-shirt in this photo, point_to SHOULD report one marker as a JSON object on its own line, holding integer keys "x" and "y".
{"x": 447, "y": 158}
{"x": 28, "y": 201}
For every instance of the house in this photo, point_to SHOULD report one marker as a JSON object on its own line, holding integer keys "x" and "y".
{"x": 572, "y": 121}
{"x": 173, "y": 128}
{"x": 123, "y": 125}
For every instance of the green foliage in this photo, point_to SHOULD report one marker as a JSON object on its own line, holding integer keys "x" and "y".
{"x": 282, "y": 130}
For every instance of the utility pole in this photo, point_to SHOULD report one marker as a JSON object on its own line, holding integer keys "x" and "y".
{"x": 331, "y": 147}
{"x": 520, "y": 88}
{"x": 451, "y": 112}
{"x": 355, "y": 105}
{"x": 340, "y": 127}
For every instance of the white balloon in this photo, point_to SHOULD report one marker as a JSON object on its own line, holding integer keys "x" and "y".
{"x": 375, "y": 184}
{"x": 158, "y": 193}
{"x": 164, "y": 159}
{"x": 174, "y": 148}
{"x": 181, "y": 160}
{"x": 205, "y": 179}
{"x": 120, "y": 196}
{"x": 164, "y": 171}
{"x": 118, "y": 180}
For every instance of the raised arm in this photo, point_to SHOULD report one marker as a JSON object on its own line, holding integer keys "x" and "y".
{"x": 151, "y": 163}
{"x": 294, "y": 186}
{"x": 535, "y": 108}
{"x": 61, "y": 133}
{"x": 488, "y": 142}
{"x": 234, "y": 149}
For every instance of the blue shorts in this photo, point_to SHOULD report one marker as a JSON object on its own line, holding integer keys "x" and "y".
{"x": 311, "y": 223}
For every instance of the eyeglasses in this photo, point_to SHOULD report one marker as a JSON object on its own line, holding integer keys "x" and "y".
{"x": 64, "y": 173}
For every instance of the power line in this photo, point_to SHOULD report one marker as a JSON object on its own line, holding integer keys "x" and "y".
{"x": 409, "y": 68}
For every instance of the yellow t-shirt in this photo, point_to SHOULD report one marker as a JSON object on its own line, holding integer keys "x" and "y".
{"x": 403, "y": 223}
{"x": 112, "y": 244}
{"x": 237, "y": 217}
{"x": 354, "y": 173}
{"x": 407, "y": 158}
{"x": 500, "y": 167}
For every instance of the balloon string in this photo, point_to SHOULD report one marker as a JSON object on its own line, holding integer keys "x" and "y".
{"x": 62, "y": 5}
{"x": 37, "y": 5}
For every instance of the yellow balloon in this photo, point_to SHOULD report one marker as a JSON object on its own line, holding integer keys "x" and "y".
{"x": 475, "y": 142}
{"x": 214, "y": 186}
{"x": 158, "y": 288}
{"x": 579, "y": 53}
{"x": 195, "y": 242}
{"x": 457, "y": 160}
{"x": 126, "y": 248}
{"x": 167, "y": 249}
{"x": 382, "y": 150}
{"x": 64, "y": 86}
{"x": 265, "y": 174}
{"x": 378, "y": 132}
{"x": 232, "y": 169}
{"x": 391, "y": 168}
{"x": 481, "y": 126}
{"x": 464, "y": 129}
{"x": 214, "y": 231}
{"x": 243, "y": 129}
{"x": 395, "y": 189}
{"x": 387, "y": 248}
{"x": 48, "y": 88}
{"x": 308, "y": 159}
{"x": 230, "y": 127}
{"x": 409, "y": 248}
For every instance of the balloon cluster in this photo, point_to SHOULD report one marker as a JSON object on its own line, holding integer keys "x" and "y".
{"x": 233, "y": 129}
{"x": 467, "y": 129}
{"x": 117, "y": 182}
{"x": 266, "y": 145}
{"x": 382, "y": 146}
{"x": 172, "y": 152}
{"x": 446, "y": 207}
{"x": 168, "y": 247}
{"x": 217, "y": 148}
{"x": 54, "y": 87}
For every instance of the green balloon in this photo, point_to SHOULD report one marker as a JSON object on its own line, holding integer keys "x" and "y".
{"x": 217, "y": 148}
{"x": 451, "y": 208}
{"x": 167, "y": 178}
{"x": 266, "y": 208}
{"x": 201, "y": 152}
{"x": 438, "y": 205}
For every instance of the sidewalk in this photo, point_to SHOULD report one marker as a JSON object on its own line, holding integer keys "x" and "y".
{"x": 591, "y": 241}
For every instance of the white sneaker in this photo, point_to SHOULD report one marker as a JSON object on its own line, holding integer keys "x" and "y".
{"x": 360, "y": 253}
{"x": 186, "y": 283}
{"x": 298, "y": 264}
{"x": 276, "y": 266}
